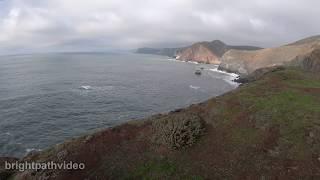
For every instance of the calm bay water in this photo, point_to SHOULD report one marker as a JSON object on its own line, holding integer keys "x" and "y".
{"x": 48, "y": 98}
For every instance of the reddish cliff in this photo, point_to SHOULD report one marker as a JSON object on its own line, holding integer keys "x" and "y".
{"x": 202, "y": 52}
{"x": 199, "y": 52}
{"x": 207, "y": 52}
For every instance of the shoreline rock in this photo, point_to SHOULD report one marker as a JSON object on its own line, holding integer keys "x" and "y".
{"x": 256, "y": 75}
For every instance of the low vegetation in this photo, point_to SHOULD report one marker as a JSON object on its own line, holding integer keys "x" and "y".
{"x": 177, "y": 131}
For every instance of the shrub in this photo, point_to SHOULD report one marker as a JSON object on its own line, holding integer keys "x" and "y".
{"x": 177, "y": 130}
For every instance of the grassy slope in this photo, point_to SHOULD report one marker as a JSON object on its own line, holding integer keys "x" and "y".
{"x": 267, "y": 128}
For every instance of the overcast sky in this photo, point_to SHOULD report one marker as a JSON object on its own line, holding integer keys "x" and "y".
{"x": 97, "y": 25}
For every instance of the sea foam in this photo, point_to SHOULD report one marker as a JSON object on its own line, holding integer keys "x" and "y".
{"x": 86, "y": 87}
{"x": 194, "y": 87}
{"x": 230, "y": 77}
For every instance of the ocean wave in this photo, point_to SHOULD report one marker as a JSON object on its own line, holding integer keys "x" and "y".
{"x": 191, "y": 62}
{"x": 85, "y": 87}
{"x": 194, "y": 87}
{"x": 28, "y": 150}
{"x": 175, "y": 60}
{"x": 224, "y": 72}
{"x": 229, "y": 78}
{"x": 97, "y": 88}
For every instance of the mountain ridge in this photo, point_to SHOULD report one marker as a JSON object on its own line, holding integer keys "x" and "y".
{"x": 246, "y": 62}
{"x": 203, "y": 52}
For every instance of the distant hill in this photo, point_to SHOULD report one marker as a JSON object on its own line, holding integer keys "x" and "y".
{"x": 170, "y": 52}
{"x": 204, "y": 52}
{"x": 246, "y": 62}
{"x": 306, "y": 40}
{"x": 208, "y": 52}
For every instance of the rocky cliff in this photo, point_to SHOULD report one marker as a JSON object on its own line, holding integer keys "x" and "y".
{"x": 208, "y": 52}
{"x": 202, "y": 52}
{"x": 309, "y": 62}
{"x": 246, "y": 62}
{"x": 199, "y": 52}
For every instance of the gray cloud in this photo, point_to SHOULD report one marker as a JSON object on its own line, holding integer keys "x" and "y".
{"x": 32, "y": 25}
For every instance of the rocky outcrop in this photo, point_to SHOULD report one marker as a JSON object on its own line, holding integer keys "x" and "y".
{"x": 202, "y": 52}
{"x": 199, "y": 52}
{"x": 208, "y": 52}
{"x": 259, "y": 73}
{"x": 309, "y": 62}
{"x": 246, "y": 62}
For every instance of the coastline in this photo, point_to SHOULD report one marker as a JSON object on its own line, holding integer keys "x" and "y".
{"x": 232, "y": 77}
{"x": 194, "y": 88}
{"x": 217, "y": 130}
{"x": 229, "y": 127}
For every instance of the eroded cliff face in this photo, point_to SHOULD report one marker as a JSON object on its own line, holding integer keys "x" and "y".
{"x": 312, "y": 62}
{"x": 309, "y": 62}
{"x": 246, "y": 62}
{"x": 208, "y": 52}
{"x": 198, "y": 52}
{"x": 202, "y": 52}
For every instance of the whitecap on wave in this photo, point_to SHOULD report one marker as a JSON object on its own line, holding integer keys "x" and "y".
{"x": 230, "y": 77}
{"x": 32, "y": 150}
{"x": 85, "y": 87}
{"x": 193, "y": 62}
{"x": 224, "y": 72}
{"x": 194, "y": 87}
{"x": 88, "y": 88}
{"x": 176, "y": 60}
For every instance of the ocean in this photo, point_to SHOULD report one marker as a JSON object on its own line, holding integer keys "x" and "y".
{"x": 46, "y": 99}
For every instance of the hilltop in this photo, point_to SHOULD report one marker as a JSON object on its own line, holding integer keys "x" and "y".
{"x": 202, "y": 52}
{"x": 246, "y": 62}
{"x": 208, "y": 52}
